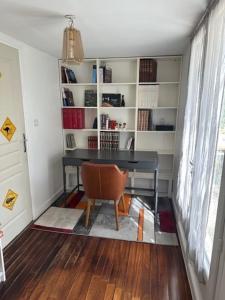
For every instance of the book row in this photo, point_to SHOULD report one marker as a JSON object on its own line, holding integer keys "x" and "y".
{"x": 92, "y": 142}
{"x": 148, "y": 70}
{"x": 144, "y": 120}
{"x": 109, "y": 141}
{"x": 73, "y": 118}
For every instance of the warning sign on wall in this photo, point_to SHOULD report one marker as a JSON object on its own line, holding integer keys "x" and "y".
{"x": 10, "y": 199}
{"x": 8, "y": 129}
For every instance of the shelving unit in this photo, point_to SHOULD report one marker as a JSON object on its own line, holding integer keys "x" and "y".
{"x": 125, "y": 80}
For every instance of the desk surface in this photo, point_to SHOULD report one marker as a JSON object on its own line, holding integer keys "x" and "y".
{"x": 148, "y": 157}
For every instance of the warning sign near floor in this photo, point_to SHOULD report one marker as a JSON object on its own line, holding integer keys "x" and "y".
{"x": 10, "y": 199}
{"x": 8, "y": 129}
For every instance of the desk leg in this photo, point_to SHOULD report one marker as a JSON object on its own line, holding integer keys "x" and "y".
{"x": 64, "y": 178}
{"x": 156, "y": 191}
{"x": 78, "y": 178}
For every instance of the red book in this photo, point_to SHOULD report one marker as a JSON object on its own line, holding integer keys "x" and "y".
{"x": 80, "y": 118}
{"x": 67, "y": 119}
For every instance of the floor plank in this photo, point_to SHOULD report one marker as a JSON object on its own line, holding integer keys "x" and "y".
{"x": 43, "y": 265}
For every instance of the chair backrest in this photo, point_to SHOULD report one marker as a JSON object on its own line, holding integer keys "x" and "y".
{"x": 102, "y": 181}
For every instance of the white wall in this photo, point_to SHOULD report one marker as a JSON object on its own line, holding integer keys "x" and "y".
{"x": 40, "y": 89}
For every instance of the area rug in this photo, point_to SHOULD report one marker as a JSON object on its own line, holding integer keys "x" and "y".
{"x": 57, "y": 219}
{"x": 167, "y": 222}
{"x": 136, "y": 223}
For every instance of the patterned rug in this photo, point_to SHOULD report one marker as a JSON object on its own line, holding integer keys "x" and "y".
{"x": 136, "y": 223}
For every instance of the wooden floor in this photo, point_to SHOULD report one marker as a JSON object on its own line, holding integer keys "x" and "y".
{"x": 42, "y": 265}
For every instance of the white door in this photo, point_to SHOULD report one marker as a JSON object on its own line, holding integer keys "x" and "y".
{"x": 15, "y": 201}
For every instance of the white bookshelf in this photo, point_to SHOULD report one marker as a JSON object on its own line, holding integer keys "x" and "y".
{"x": 125, "y": 80}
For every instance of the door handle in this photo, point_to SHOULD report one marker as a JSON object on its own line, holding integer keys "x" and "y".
{"x": 24, "y": 143}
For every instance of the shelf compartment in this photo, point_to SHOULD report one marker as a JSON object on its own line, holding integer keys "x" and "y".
{"x": 159, "y": 83}
{"x": 78, "y": 84}
{"x": 123, "y": 71}
{"x": 168, "y": 70}
{"x": 118, "y": 130}
{"x": 129, "y": 92}
{"x": 156, "y": 131}
{"x": 81, "y": 136}
{"x": 85, "y": 107}
{"x": 80, "y": 130}
{"x": 79, "y": 93}
{"x": 115, "y": 107}
{"x": 162, "y": 143}
{"x": 121, "y": 116}
{"x": 83, "y": 72}
{"x": 116, "y": 83}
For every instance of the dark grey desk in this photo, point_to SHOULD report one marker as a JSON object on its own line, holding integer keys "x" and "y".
{"x": 129, "y": 160}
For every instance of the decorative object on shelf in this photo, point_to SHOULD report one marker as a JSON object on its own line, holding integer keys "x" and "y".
{"x": 70, "y": 141}
{"x": 109, "y": 141}
{"x": 95, "y": 123}
{"x": 164, "y": 127}
{"x": 123, "y": 101}
{"x": 111, "y": 99}
{"x": 148, "y": 96}
{"x": 94, "y": 74}
{"x": 92, "y": 142}
{"x": 90, "y": 98}
{"x": 68, "y": 75}
{"x": 67, "y": 95}
{"x": 107, "y": 124}
{"x": 73, "y": 118}
{"x": 144, "y": 120}
{"x": 72, "y": 44}
{"x": 130, "y": 144}
{"x": 148, "y": 70}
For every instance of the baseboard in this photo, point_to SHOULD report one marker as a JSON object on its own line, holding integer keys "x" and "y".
{"x": 47, "y": 203}
{"x": 192, "y": 278}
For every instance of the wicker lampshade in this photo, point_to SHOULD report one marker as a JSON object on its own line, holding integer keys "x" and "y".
{"x": 72, "y": 44}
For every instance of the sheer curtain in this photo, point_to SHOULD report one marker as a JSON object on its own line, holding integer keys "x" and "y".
{"x": 202, "y": 116}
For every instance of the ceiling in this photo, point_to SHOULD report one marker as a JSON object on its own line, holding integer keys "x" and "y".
{"x": 109, "y": 28}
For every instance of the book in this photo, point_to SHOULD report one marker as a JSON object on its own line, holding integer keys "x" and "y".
{"x": 94, "y": 74}
{"x": 73, "y": 118}
{"x": 67, "y": 97}
{"x": 92, "y": 142}
{"x": 130, "y": 142}
{"x": 101, "y": 74}
{"x": 109, "y": 141}
{"x": 63, "y": 74}
{"x": 70, "y": 141}
{"x": 71, "y": 78}
{"x": 67, "y": 75}
{"x": 148, "y": 96}
{"x": 144, "y": 122}
{"x": 107, "y": 74}
{"x": 90, "y": 98}
{"x": 148, "y": 70}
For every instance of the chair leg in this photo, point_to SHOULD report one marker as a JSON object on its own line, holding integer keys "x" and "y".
{"x": 93, "y": 205}
{"x": 123, "y": 202}
{"x": 88, "y": 212}
{"x": 116, "y": 214}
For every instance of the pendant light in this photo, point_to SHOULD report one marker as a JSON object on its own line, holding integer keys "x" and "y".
{"x": 72, "y": 44}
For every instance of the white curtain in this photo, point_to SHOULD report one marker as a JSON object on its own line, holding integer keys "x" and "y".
{"x": 202, "y": 116}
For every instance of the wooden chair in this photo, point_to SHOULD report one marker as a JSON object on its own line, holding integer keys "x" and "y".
{"x": 104, "y": 182}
